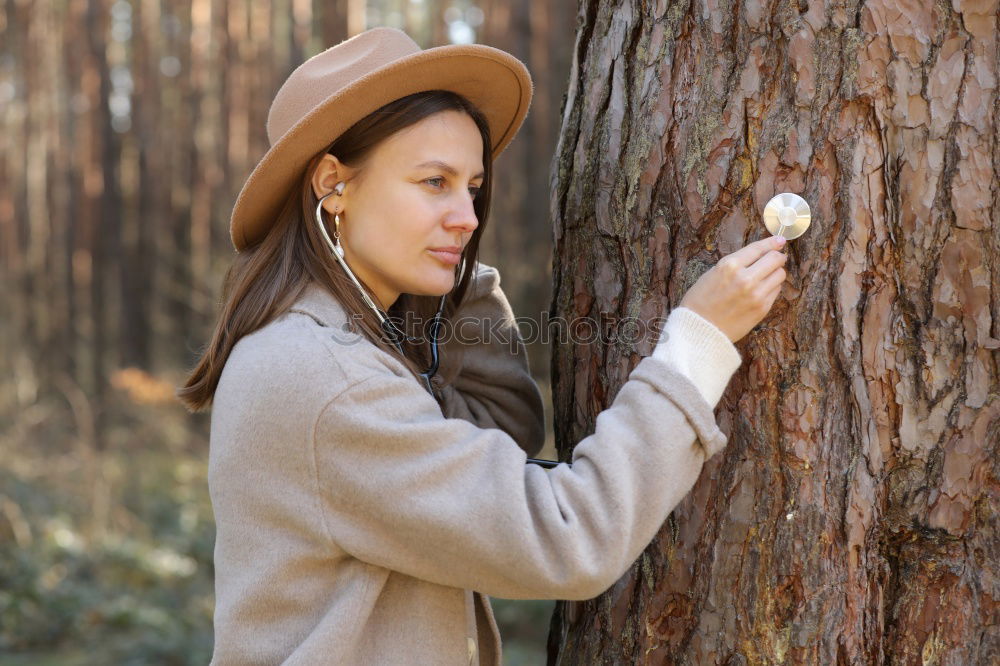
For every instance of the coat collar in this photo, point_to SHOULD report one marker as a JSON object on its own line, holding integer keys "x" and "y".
{"x": 317, "y": 302}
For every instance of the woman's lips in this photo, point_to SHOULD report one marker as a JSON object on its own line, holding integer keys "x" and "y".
{"x": 448, "y": 256}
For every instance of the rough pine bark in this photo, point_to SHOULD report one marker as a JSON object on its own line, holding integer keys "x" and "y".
{"x": 852, "y": 518}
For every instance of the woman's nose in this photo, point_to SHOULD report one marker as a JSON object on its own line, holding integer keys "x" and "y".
{"x": 463, "y": 216}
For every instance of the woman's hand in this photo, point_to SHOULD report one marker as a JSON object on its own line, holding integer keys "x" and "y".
{"x": 738, "y": 292}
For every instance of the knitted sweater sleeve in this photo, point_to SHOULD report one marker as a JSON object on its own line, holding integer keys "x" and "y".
{"x": 402, "y": 487}
{"x": 697, "y": 349}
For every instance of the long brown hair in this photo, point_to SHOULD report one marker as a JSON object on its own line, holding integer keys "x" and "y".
{"x": 265, "y": 280}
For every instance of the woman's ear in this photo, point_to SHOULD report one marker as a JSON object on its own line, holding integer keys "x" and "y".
{"x": 331, "y": 173}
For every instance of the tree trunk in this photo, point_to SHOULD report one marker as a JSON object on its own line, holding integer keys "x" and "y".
{"x": 852, "y": 518}
{"x": 518, "y": 237}
{"x": 102, "y": 204}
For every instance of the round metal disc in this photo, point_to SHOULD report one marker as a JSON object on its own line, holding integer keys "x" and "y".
{"x": 787, "y": 215}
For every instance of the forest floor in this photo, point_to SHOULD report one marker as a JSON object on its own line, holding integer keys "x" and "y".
{"x": 106, "y": 551}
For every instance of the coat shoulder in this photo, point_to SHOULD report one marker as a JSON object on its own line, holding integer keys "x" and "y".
{"x": 298, "y": 358}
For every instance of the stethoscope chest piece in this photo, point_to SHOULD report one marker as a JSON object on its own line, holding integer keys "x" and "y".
{"x": 787, "y": 215}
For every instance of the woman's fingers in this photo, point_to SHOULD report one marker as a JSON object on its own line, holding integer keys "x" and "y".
{"x": 770, "y": 289}
{"x": 772, "y": 281}
{"x": 766, "y": 265}
{"x": 740, "y": 290}
{"x": 747, "y": 255}
{"x": 772, "y": 297}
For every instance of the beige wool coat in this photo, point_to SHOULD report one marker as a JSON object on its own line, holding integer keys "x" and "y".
{"x": 359, "y": 522}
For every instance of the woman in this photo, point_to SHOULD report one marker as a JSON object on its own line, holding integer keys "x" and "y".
{"x": 368, "y": 495}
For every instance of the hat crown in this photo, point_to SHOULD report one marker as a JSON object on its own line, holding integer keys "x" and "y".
{"x": 328, "y": 72}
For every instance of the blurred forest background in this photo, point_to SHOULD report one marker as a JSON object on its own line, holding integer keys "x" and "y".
{"x": 128, "y": 128}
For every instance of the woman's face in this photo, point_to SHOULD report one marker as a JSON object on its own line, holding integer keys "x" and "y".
{"x": 407, "y": 215}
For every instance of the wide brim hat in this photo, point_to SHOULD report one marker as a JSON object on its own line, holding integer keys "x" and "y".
{"x": 334, "y": 89}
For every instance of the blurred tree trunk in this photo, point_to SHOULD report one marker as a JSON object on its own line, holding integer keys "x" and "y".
{"x": 139, "y": 287}
{"x": 128, "y": 129}
{"x": 518, "y": 237}
{"x": 332, "y": 19}
{"x": 102, "y": 216}
{"x": 853, "y": 518}
{"x": 356, "y": 17}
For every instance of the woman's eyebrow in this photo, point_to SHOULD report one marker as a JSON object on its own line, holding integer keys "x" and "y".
{"x": 444, "y": 166}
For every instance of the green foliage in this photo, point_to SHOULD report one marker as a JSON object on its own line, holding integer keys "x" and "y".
{"x": 524, "y": 628}
{"x": 106, "y": 556}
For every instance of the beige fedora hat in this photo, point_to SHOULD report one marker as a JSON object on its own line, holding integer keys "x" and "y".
{"x": 334, "y": 89}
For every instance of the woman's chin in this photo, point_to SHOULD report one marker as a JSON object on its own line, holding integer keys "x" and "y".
{"x": 436, "y": 286}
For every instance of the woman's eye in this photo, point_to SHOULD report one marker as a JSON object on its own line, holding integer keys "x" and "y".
{"x": 438, "y": 182}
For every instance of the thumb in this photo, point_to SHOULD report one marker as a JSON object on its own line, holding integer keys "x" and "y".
{"x": 754, "y": 251}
